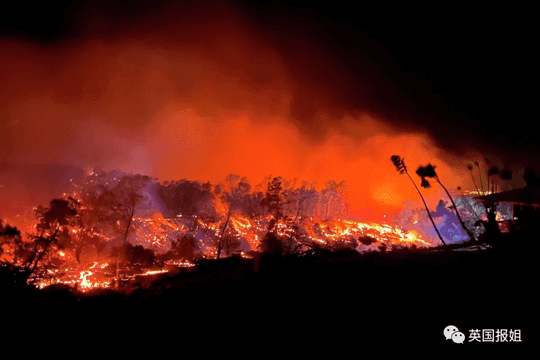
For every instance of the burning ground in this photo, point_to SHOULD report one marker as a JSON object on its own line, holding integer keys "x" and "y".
{"x": 113, "y": 228}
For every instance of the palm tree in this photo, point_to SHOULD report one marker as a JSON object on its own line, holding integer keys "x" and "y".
{"x": 429, "y": 172}
{"x": 399, "y": 163}
{"x": 494, "y": 170}
{"x": 470, "y": 168}
{"x": 480, "y": 175}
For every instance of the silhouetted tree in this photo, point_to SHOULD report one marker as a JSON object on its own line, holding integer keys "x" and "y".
{"x": 237, "y": 190}
{"x": 93, "y": 211}
{"x": 493, "y": 171}
{"x": 231, "y": 244}
{"x": 477, "y": 164}
{"x": 186, "y": 247}
{"x": 332, "y": 197}
{"x": 84, "y": 230}
{"x": 399, "y": 163}
{"x": 270, "y": 244}
{"x": 14, "y": 252}
{"x": 367, "y": 240}
{"x": 134, "y": 255}
{"x": 328, "y": 195}
{"x": 342, "y": 191}
{"x": 13, "y": 249}
{"x": 428, "y": 171}
{"x": 52, "y": 221}
{"x": 122, "y": 202}
{"x": 274, "y": 201}
{"x": 187, "y": 197}
{"x": 470, "y": 168}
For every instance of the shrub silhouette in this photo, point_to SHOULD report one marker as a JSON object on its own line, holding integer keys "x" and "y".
{"x": 134, "y": 255}
{"x": 186, "y": 247}
{"x": 270, "y": 244}
{"x": 367, "y": 240}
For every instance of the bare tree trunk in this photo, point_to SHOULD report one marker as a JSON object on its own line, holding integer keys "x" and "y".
{"x": 277, "y": 219}
{"x": 427, "y": 209}
{"x": 474, "y": 182}
{"x": 296, "y": 217}
{"x": 481, "y": 180}
{"x": 128, "y": 227}
{"x": 33, "y": 257}
{"x": 51, "y": 239}
{"x": 220, "y": 243}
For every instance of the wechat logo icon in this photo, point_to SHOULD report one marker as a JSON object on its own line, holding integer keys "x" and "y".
{"x": 452, "y": 333}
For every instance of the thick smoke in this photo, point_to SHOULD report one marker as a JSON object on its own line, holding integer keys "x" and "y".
{"x": 199, "y": 93}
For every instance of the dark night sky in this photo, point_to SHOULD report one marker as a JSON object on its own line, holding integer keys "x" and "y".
{"x": 469, "y": 67}
{"x": 462, "y": 74}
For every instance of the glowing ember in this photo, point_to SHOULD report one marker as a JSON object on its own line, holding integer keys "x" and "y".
{"x": 85, "y": 283}
{"x": 154, "y": 272}
{"x": 180, "y": 263}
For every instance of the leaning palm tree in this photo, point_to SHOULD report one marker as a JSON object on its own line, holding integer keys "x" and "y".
{"x": 494, "y": 170}
{"x": 470, "y": 168}
{"x": 402, "y": 169}
{"x": 429, "y": 172}
{"x": 477, "y": 164}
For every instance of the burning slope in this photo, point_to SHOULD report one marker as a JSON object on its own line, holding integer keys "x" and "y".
{"x": 117, "y": 226}
{"x": 158, "y": 233}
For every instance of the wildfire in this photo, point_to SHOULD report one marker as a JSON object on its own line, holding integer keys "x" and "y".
{"x": 179, "y": 263}
{"x": 154, "y": 272}
{"x": 84, "y": 280}
{"x": 158, "y": 233}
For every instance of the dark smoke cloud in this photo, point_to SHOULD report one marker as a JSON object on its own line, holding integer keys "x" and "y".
{"x": 203, "y": 89}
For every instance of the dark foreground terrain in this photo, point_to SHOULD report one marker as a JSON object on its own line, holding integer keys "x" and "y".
{"x": 323, "y": 297}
